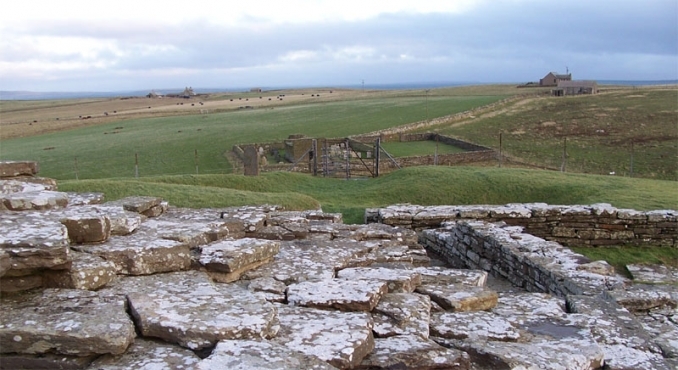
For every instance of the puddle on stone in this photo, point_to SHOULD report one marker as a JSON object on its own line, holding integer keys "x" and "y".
{"x": 553, "y": 330}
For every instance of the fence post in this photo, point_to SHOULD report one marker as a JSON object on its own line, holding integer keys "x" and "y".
{"x": 314, "y": 145}
{"x": 76, "y": 168}
{"x": 348, "y": 160}
{"x": 136, "y": 165}
{"x": 196, "y": 161}
{"x": 500, "y": 149}
{"x": 377, "y": 154}
{"x": 562, "y": 166}
{"x": 631, "y": 166}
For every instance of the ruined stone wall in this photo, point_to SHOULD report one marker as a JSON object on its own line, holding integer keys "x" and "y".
{"x": 526, "y": 261}
{"x": 594, "y": 225}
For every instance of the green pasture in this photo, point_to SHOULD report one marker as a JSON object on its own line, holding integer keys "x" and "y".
{"x": 168, "y": 145}
{"x": 432, "y": 185}
{"x": 631, "y": 132}
{"x": 415, "y": 148}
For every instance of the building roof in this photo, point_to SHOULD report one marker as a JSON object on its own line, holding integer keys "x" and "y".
{"x": 561, "y": 75}
{"x": 577, "y": 84}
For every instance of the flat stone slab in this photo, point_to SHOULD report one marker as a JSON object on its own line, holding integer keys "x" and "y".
{"x": 402, "y": 314}
{"x": 272, "y": 289}
{"x": 149, "y": 354}
{"x": 444, "y": 275}
{"x": 46, "y": 361}
{"x": 340, "y": 294}
{"x": 122, "y": 222}
{"x": 87, "y": 272}
{"x": 32, "y": 241}
{"x": 565, "y": 354}
{"x": 190, "y": 310}
{"x": 460, "y": 298}
{"x": 251, "y": 354}
{"x": 193, "y": 234}
{"x": 519, "y": 308}
{"x": 392, "y": 253}
{"x": 637, "y": 299}
{"x": 398, "y": 280}
{"x": 90, "y": 227}
{"x": 34, "y": 200}
{"x": 5, "y": 262}
{"x": 342, "y": 339}
{"x": 236, "y": 255}
{"x": 19, "y": 186}
{"x": 475, "y": 326}
{"x": 413, "y": 352}
{"x": 653, "y": 274}
{"x": 141, "y": 254}
{"x": 310, "y": 260}
{"x": 65, "y": 321}
{"x": 136, "y": 204}
{"x": 18, "y": 168}
{"x": 84, "y": 199}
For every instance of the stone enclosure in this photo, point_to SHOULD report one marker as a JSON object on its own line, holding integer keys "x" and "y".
{"x": 137, "y": 283}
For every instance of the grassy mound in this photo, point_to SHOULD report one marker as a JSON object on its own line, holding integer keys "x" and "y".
{"x": 417, "y": 185}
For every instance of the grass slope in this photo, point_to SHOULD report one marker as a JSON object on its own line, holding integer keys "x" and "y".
{"x": 626, "y": 131}
{"x": 417, "y": 185}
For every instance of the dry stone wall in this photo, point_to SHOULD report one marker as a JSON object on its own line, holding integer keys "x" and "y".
{"x": 579, "y": 225}
{"x": 137, "y": 283}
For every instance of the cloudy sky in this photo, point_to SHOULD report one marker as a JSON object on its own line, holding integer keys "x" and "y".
{"x": 124, "y": 45}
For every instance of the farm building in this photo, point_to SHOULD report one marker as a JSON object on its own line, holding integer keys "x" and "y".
{"x": 255, "y": 89}
{"x": 575, "y": 88}
{"x": 187, "y": 93}
{"x": 553, "y": 78}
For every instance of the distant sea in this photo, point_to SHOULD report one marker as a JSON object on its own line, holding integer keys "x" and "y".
{"x": 33, "y": 95}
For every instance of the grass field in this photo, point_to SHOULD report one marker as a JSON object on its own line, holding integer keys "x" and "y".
{"x": 626, "y": 132}
{"x": 416, "y": 185}
{"x": 598, "y": 130}
{"x": 415, "y": 148}
{"x": 167, "y": 145}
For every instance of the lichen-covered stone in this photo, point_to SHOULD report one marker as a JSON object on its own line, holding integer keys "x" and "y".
{"x": 460, "y": 298}
{"x": 65, "y": 321}
{"x": 136, "y": 204}
{"x": 402, "y": 314}
{"x": 413, "y": 352}
{"x": 342, "y": 339}
{"x": 345, "y": 295}
{"x": 573, "y": 353}
{"x": 13, "y": 284}
{"x": 310, "y": 260}
{"x": 653, "y": 274}
{"x": 18, "y": 168}
{"x": 190, "y": 310}
{"x": 142, "y": 254}
{"x": 149, "y": 354}
{"x": 87, "y": 228}
{"x": 89, "y": 272}
{"x": 398, "y": 280}
{"x": 234, "y": 255}
{"x": 46, "y": 361}
{"x": 260, "y": 354}
{"x": 273, "y": 290}
{"x": 34, "y": 200}
{"x": 443, "y": 275}
{"x": 33, "y": 242}
{"x": 474, "y": 326}
{"x": 4, "y": 262}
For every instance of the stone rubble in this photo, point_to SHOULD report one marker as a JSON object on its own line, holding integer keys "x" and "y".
{"x": 136, "y": 283}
